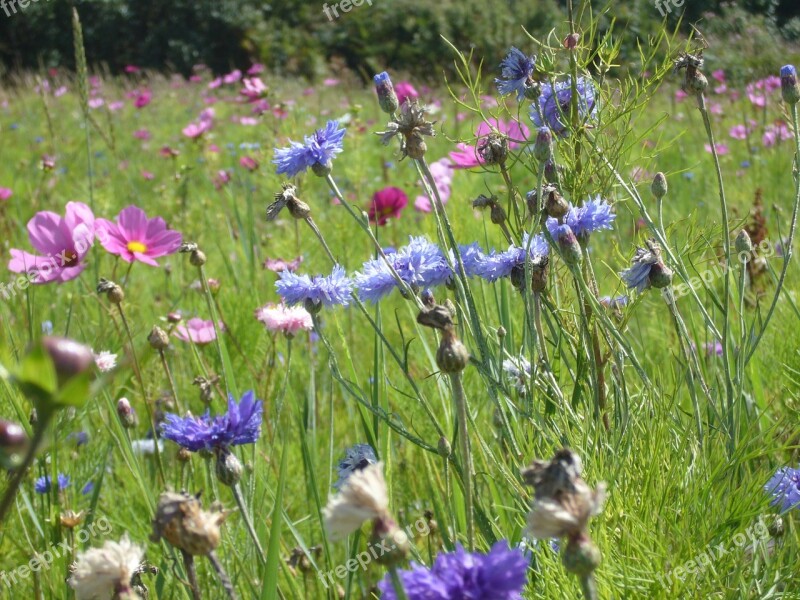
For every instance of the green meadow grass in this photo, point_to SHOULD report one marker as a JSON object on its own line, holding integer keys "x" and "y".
{"x": 672, "y": 497}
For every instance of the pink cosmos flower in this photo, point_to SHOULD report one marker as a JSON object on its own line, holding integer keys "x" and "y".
{"x": 5, "y": 193}
{"x": 132, "y": 69}
{"x": 279, "y": 318}
{"x": 115, "y": 106}
{"x": 196, "y": 130}
{"x": 65, "y": 242}
{"x": 639, "y": 174}
{"x": 404, "y": 91}
{"x": 331, "y": 82}
{"x": 135, "y": 237}
{"x": 215, "y": 83}
{"x": 680, "y": 95}
{"x": 256, "y": 69}
{"x": 221, "y": 179}
{"x": 197, "y": 331}
{"x": 278, "y": 265}
{"x": 248, "y": 121}
{"x": 715, "y": 109}
{"x": 738, "y": 132}
{"x": 147, "y": 175}
{"x": 442, "y": 171}
{"x": 466, "y": 157}
{"x": 776, "y": 132}
{"x": 60, "y": 91}
{"x": 142, "y": 134}
{"x": 719, "y": 75}
{"x": 722, "y": 149}
{"x": 207, "y": 114}
{"x": 232, "y": 77}
{"x": 254, "y": 89}
{"x": 721, "y": 89}
{"x": 248, "y": 163}
{"x": 143, "y": 99}
{"x": 95, "y": 103}
{"x": 387, "y": 204}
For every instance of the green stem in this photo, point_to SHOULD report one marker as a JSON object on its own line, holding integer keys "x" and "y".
{"x": 399, "y": 590}
{"x": 248, "y": 522}
{"x": 466, "y": 457}
{"x": 589, "y": 587}
{"x": 318, "y": 233}
{"x": 223, "y": 576}
{"x": 217, "y": 342}
{"x": 170, "y": 378}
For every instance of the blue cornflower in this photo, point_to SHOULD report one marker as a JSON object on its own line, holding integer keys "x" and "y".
{"x": 43, "y": 485}
{"x": 240, "y": 425}
{"x": 316, "y": 152}
{"x": 356, "y": 458}
{"x": 421, "y": 264}
{"x": 317, "y": 291}
{"x": 553, "y": 107}
{"x": 81, "y": 438}
{"x": 500, "y": 574}
{"x": 594, "y": 215}
{"x": 88, "y": 488}
{"x": 472, "y": 256}
{"x": 517, "y": 70}
{"x": 784, "y": 488}
{"x": 497, "y": 265}
{"x": 614, "y": 303}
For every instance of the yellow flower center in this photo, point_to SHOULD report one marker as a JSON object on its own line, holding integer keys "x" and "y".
{"x": 137, "y": 247}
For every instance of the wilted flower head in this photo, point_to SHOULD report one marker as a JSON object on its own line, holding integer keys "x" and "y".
{"x": 363, "y": 497}
{"x": 694, "y": 82}
{"x": 460, "y": 575}
{"x": 647, "y": 269}
{"x": 99, "y": 573}
{"x": 316, "y": 152}
{"x": 315, "y": 292}
{"x": 420, "y": 264}
{"x": 287, "y": 197}
{"x": 241, "y": 424}
{"x": 784, "y": 489}
{"x": 284, "y": 319}
{"x": 181, "y": 520}
{"x": 517, "y": 71}
{"x": 356, "y": 458}
{"x": 563, "y": 503}
{"x": 552, "y": 109}
{"x": 411, "y": 126}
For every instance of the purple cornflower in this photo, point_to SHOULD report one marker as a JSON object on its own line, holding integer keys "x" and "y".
{"x": 594, "y": 215}
{"x": 43, "y": 485}
{"x": 240, "y": 425}
{"x": 317, "y": 291}
{"x": 421, "y": 264}
{"x": 501, "y": 264}
{"x": 553, "y": 107}
{"x": 517, "y": 71}
{"x": 472, "y": 256}
{"x": 356, "y": 458}
{"x": 784, "y": 488}
{"x": 499, "y": 575}
{"x": 316, "y": 152}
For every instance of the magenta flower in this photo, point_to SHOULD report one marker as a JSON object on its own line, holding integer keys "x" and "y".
{"x": 197, "y": 331}
{"x": 64, "y": 242}
{"x": 142, "y": 134}
{"x": 249, "y": 163}
{"x": 5, "y": 193}
{"x": 386, "y": 204}
{"x": 232, "y": 77}
{"x": 722, "y": 149}
{"x": 143, "y": 99}
{"x": 195, "y": 130}
{"x": 135, "y": 237}
{"x": 254, "y": 89}
{"x": 738, "y": 132}
{"x": 404, "y": 91}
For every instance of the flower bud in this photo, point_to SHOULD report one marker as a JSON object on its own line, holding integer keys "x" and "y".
{"x": 501, "y": 332}
{"x": 452, "y": 355}
{"x": 497, "y": 214}
{"x": 581, "y": 557}
{"x": 571, "y": 41}
{"x": 387, "y": 98}
{"x": 554, "y": 203}
{"x": 12, "y": 437}
{"x": 183, "y": 455}
{"x": 659, "y": 186}
{"x": 69, "y": 357}
{"x": 298, "y": 209}
{"x": 569, "y": 245}
{"x": 229, "y": 468}
{"x": 174, "y": 318}
{"x": 743, "y": 243}
{"x": 158, "y": 338}
{"x": 444, "y": 448}
{"x": 126, "y": 414}
{"x": 543, "y": 146}
{"x": 428, "y": 299}
{"x": 790, "y": 90}
{"x": 551, "y": 171}
{"x": 322, "y": 170}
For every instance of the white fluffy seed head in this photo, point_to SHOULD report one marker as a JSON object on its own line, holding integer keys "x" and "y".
{"x": 362, "y": 498}
{"x": 98, "y": 572}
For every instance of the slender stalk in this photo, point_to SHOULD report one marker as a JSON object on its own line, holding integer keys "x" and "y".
{"x": 318, "y": 233}
{"x": 212, "y": 313}
{"x": 589, "y": 587}
{"x": 251, "y": 530}
{"x": 138, "y": 372}
{"x": 19, "y": 473}
{"x": 701, "y": 104}
{"x": 399, "y": 590}
{"x": 464, "y": 449}
{"x": 172, "y": 386}
{"x": 223, "y": 576}
{"x": 787, "y": 247}
{"x": 191, "y": 572}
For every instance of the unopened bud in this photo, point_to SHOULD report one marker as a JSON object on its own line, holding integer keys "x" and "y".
{"x": 158, "y": 338}
{"x": 183, "y": 455}
{"x": 387, "y": 98}
{"x": 554, "y": 203}
{"x": 497, "y": 214}
{"x": 660, "y": 275}
{"x": 659, "y": 186}
{"x": 452, "y": 355}
{"x": 790, "y": 90}
{"x": 444, "y": 448}
{"x": 229, "y": 468}
{"x": 174, "y": 318}
{"x": 69, "y": 357}
{"x": 743, "y": 243}
{"x": 571, "y": 41}
{"x": 127, "y": 415}
{"x": 569, "y": 245}
{"x": 543, "y": 146}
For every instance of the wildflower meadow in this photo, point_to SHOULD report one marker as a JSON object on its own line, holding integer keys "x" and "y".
{"x": 526, "y": 328}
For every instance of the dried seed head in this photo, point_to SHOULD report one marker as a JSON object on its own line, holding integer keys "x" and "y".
{"x": 181, "y": 520}
{"x": 410, "y": 125}
{"x": 70, "y": 519}
{"x": 158, "y": 338}
{"x": 452, "y": 355}
{"x": 387, "y": 534}
{"x": 113, "y": 292}
{"x": 554, "y": 203}
{"x": 493, "y": 149}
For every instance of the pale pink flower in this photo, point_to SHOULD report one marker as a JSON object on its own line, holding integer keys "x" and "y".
{"x": 738, "y": 132}
{"x": 196, "y": 130}
{"x": 722, "y": 149}
{"x": 232, "y": 77}
{"x": 5, "y": 193}
{"x": 254, "y": 89}
{"x": 105, "y": 361}
{"x": 279, "y": 318}
{"x": 95, "y": 103}
{"x": 330, "y": 82}
{"x": 442, "y": 171}
{"x": 197, "y": 331}
{"x": 719, "y": 75}
{"x": 142, "y": 134}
